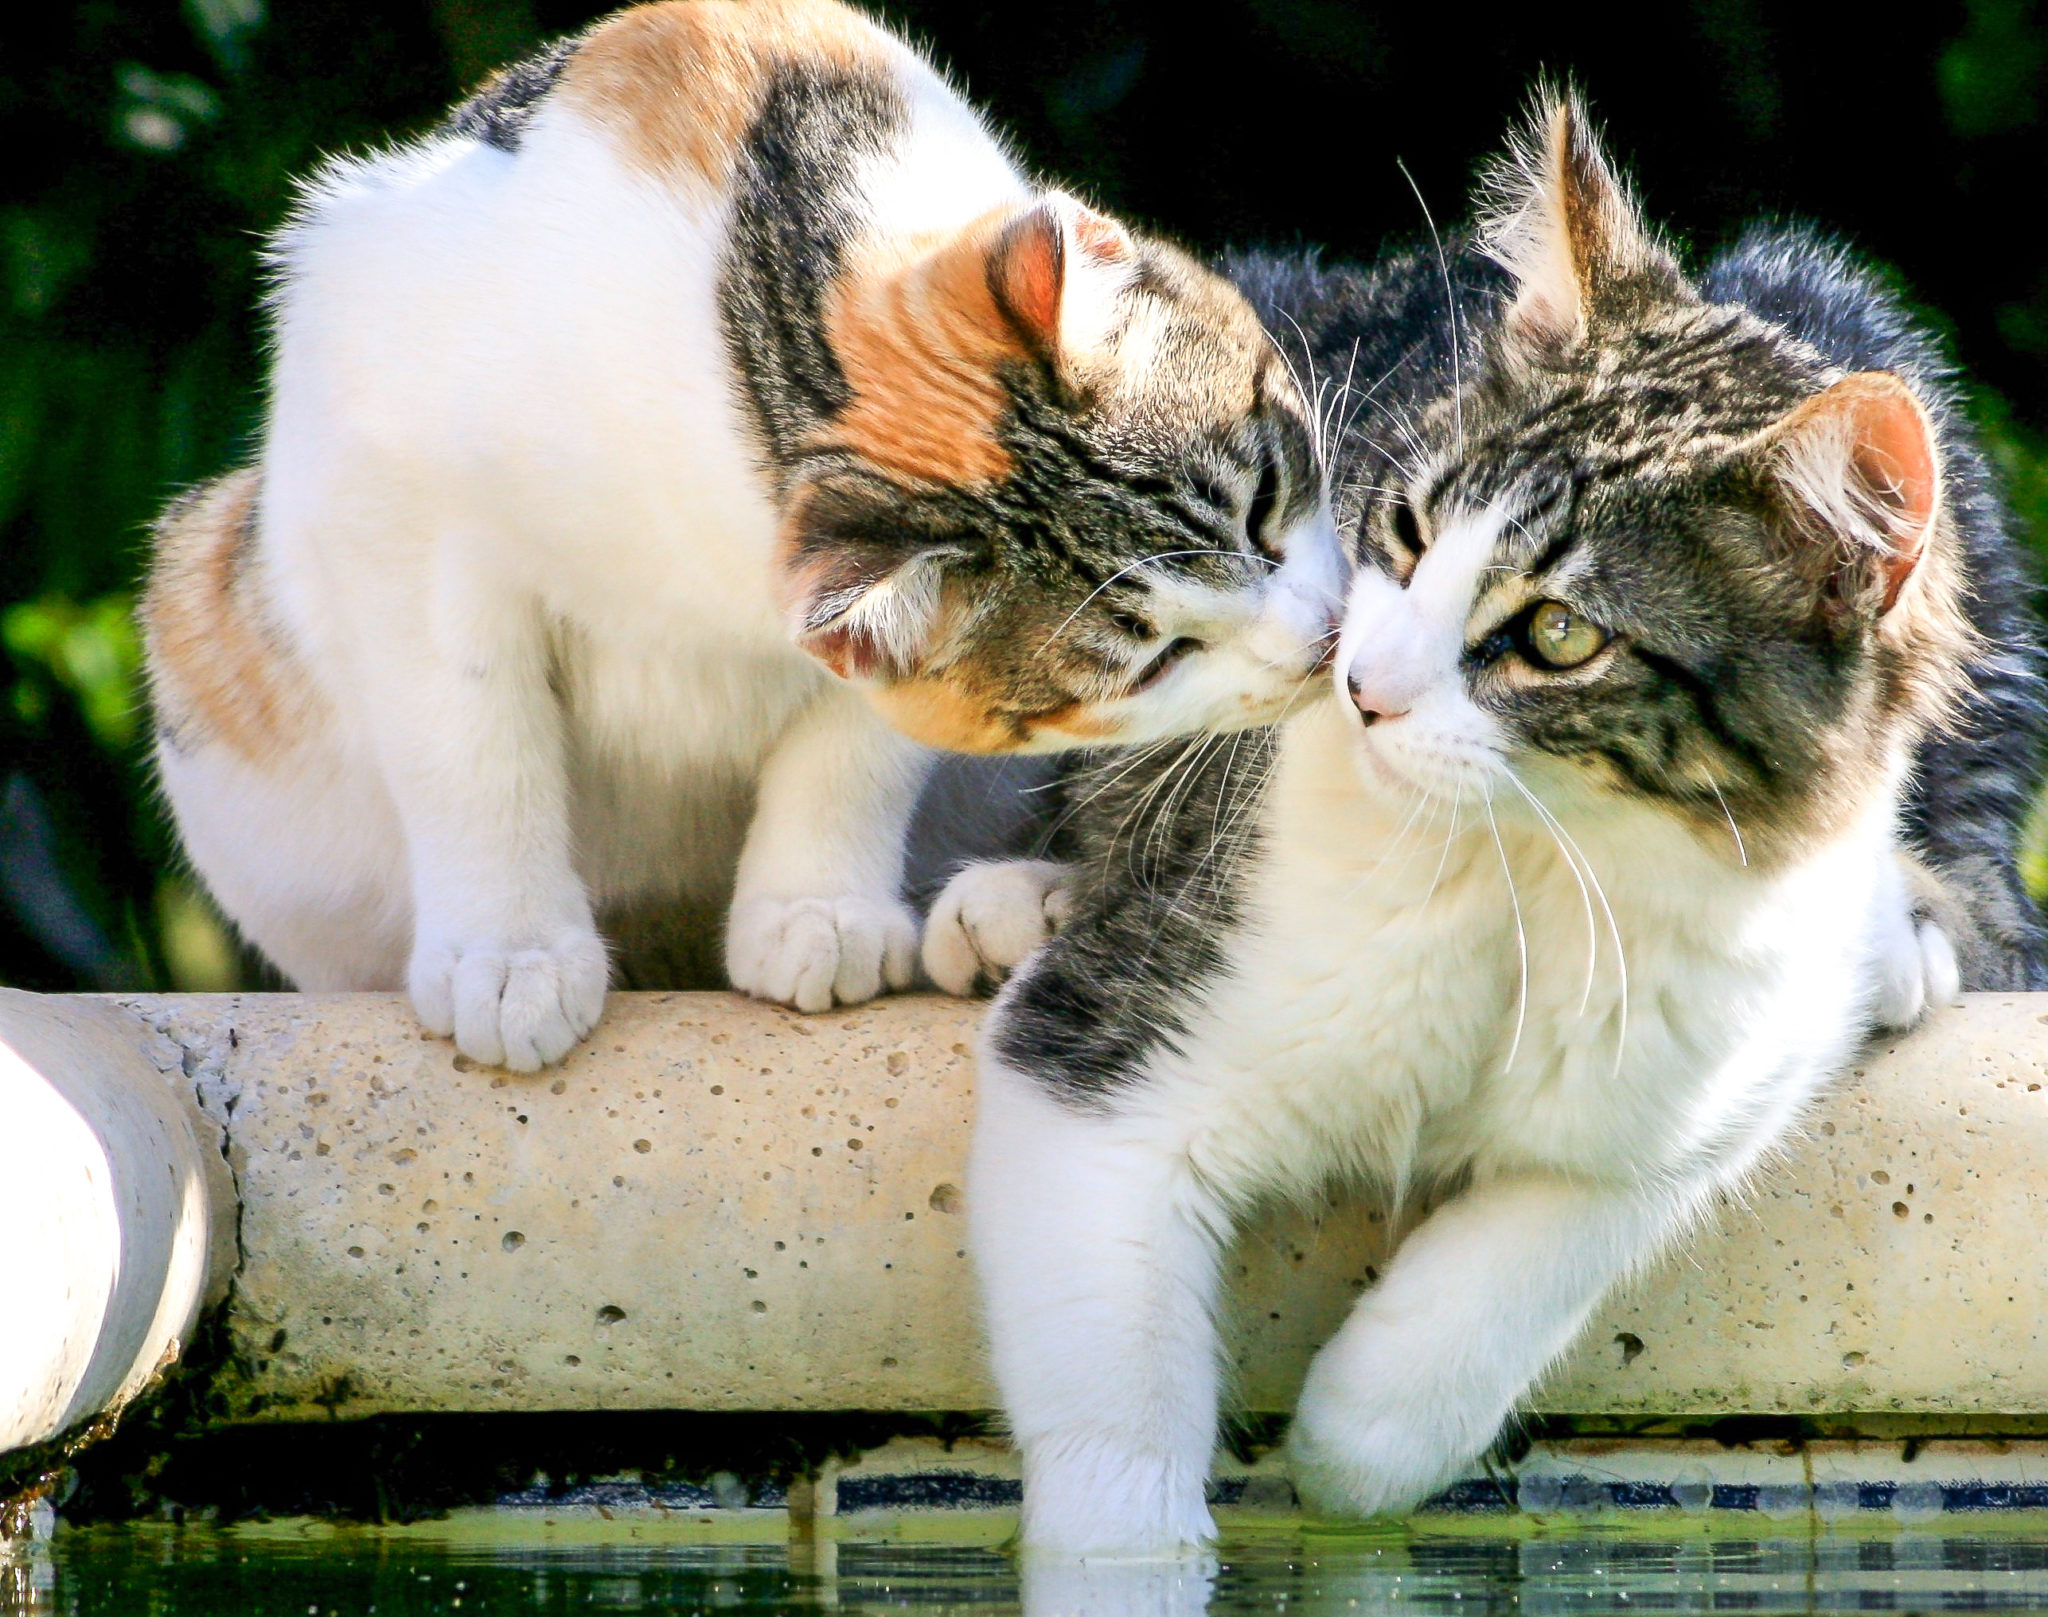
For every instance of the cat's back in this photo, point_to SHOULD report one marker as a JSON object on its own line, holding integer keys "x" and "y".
{"x": 688, "y": 102}
{"x": 1973, "y": 785}
{"x": 554, "y": 264}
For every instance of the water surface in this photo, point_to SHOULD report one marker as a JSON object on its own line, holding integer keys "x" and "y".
{"x": 311, "y": 1572}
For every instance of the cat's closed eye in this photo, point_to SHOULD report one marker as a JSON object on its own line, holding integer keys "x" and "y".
{"x": 1406, "y": 527}
{"x": 1131, "y": 624}
{"x": 1158, "y": 668}
{"x": 1258, "y": 514}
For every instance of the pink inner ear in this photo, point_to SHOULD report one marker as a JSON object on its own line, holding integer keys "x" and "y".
{"x": 848, "y": 653}
{"x": 1861, "y": 455}
{"x": 1027, "y": 271}
{"x": 1894, "y": 457}
{"x": 1101, "y": 239}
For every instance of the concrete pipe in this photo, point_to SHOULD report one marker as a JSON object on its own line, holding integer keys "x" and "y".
{"x": 114, "y": 1213}
{"x": 715, "y": 1204}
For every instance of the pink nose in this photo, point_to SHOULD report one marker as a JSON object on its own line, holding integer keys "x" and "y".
{"x": 1375, "y": 704}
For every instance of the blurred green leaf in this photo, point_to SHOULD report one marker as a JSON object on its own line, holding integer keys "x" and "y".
{"x": 226, "y": 26}
{"x": 2021, "y": 456}
{"x": 1990, "y": 78}
{"x": 91, "y": 650}
{"x": 199, "y": 951}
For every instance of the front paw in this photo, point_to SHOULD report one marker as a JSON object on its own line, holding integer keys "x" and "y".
{"x": 989, "y": 918}
{"x": 522, "y": 1009}
{"x": 1349, "y": 1457}
{"x": 1916, "y": 970}
{"x": 814, "y": 953}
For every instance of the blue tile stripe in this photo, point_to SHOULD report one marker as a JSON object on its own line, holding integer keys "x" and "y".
{"x": 966, "y": 1490}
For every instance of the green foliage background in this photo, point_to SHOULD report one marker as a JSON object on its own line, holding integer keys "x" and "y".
{"x": 150, "y": 144}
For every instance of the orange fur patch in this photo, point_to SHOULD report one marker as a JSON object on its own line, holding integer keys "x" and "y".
{"x": 940, "y": 713}
{"x": 919, "y": 338}
{"x": 216, "y": 669}
{"x": 1079, "y": 723}
{"x": 680, "y": 82}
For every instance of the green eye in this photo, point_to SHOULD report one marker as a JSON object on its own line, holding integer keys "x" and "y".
{"x": 1558, "y": 637}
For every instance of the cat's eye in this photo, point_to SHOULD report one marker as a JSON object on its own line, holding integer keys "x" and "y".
{"x": 1157, "y": 669}
{"x": 1407, "y": 527}
{"x": 1558, "y": 637}
{"x": 1265, "y": 498}
{"x": 1131, "y": 624}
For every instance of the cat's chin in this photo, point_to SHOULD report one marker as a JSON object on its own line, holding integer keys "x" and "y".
{"x": 1390, "y": 778}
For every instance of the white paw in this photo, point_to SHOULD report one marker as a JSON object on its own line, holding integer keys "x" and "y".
{"x": 1366, "y": 1464}
{"x": 517, "y": 1008}
{"x": 815, "y": 953}
{"x": 990, "y": 917}
{"x": 1376, "y": 1431}
{"x": 1916, "y": 970}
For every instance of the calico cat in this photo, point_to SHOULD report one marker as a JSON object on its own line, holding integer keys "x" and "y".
{"x": 708, "y": 414}
{"x": 1553, "y": 913}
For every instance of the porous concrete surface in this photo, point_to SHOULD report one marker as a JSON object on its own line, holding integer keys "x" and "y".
{"x": 116, "y": 1207}
{"x": 719, "y": 1205}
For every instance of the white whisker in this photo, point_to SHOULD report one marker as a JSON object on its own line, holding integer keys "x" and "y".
{"x": 1613, "y": 927}
{"x": 1131, "y": 567}
{"x": 1450, "y": 836}
{"x": 1741, "y": 852}
{"x": 1521, "y": 938}
{"x": 1586, "y": 897}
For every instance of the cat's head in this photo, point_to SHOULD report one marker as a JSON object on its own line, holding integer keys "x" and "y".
{"x": 1655, "y": 549}
{"x": 1075, "y": 498}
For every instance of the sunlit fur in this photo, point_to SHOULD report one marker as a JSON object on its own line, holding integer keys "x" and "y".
{"x": 1545, "y": 959}
{"x": 708, "y": 412}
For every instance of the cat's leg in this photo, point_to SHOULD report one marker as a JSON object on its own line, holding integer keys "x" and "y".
{"x": 817, "y": 917}
{"x": 1097, "y": 1252}
{"x": 302, "y": 852}
{"x": 990, "y": 916}
{"x": 1912, "y": 959}
{"x": 1479, "y": 1300}
{"x": 505, "y": 956}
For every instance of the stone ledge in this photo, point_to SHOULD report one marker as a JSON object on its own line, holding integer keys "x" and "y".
{"x": 718, "y": 1205}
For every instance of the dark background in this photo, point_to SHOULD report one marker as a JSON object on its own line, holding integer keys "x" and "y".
{"x": 148, "y": 147}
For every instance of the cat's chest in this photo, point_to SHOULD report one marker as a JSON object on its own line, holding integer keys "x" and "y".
{"x": 1402, "y": 1003}
{"x": 674, "y": 703}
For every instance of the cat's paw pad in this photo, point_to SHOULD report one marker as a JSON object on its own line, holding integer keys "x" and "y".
{"x": 521, "y": 1009}
{"x": 814, "y": 953}
{"x": 990, "y": 917}
{"x": 1916, "y": 970}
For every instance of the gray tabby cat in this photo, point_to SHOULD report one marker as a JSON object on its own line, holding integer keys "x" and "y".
{"x": 1559, "y": 906}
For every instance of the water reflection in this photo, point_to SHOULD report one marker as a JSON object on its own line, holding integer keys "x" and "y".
{"x": 277, "y": 1574}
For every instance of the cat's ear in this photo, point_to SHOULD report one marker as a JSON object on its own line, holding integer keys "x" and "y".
{"x": 862, "y": 585}
{"x": 869, "y": 625}
{"x": 1056, "y": 271}
{"x": 1859, "y": 473}
{"x": 1559, "y": 220}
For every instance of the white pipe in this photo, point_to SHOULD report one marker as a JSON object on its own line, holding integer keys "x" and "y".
{"x": 108, "y": 1210}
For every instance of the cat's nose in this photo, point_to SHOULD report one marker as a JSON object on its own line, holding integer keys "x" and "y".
{"x": 1374, "y": 705}
{"x": 1388, "y": 675}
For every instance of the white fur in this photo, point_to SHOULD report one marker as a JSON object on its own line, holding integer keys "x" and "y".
{"x": 510, "y": 523}
{"x": 513, "y": 533}
{"x": 990, "y": 918}
{"x": 1590, "y": 1053}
